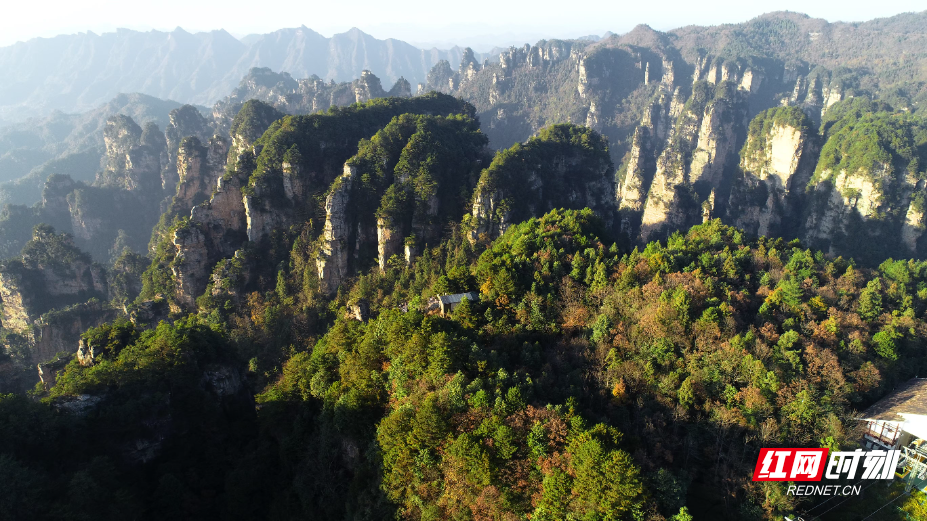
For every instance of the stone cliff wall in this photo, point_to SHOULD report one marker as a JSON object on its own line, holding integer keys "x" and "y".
{"x": 332, "y": 262}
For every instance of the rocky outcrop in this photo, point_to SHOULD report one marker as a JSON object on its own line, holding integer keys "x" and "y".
{"x": 29, "y": 288}
{"x": 55, "y": 200}
{"x": 249, "y": 124}
{"x": 367, "y": 87}
{"x": 389, "y": 242}
{"x": 914, "y": 225}
{"x": 775, "y": 168}
{"x": 48, "y": 371}
{"x": 332, "y": 262}
{"x": 147, "y": 314}
{"x": 191, "y": 264}
{"x": 669, "y": 202}
{"x": 199, "y": 168}
{"x": 222, "y": 380}
{"x": 231, "y": 276}
{"x": 59, "y": 331}
{"x": 17, "y": 299}
{"x": 865, "y": 198}
{"x": 717, "y": 145}
{"x": 401, "y": 89}
{"x": 489, "y": 217}
{"x": 86, "y": 353}
{"x": 638, "y": 173}
{"x": 564, "y": 167}
{"x": 186, "y": 121}
{"x": 223, "y": 219}
{"x": 698, "y": 161}
{"x": 134, "y": 157}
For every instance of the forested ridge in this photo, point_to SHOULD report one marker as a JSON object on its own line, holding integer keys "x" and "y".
{"x": 588, "y": 382}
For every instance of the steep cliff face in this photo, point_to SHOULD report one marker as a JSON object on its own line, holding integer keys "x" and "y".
{"x": 16, "y": 290}
{"x": 697, "y": 162}
{"x": 564, "y": 167}
{"x": 670, "y": 201}
{"x": 223, "y": 218}
{"x": 367, "y": 87}
{"x": 776, "y": 164}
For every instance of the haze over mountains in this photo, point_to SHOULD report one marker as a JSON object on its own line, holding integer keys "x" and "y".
{"x": 78, "y": 72}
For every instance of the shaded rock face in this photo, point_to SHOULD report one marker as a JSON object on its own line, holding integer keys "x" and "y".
{"x": 191, "y": 265}
{"x": 79, "y": 405}
{"x": 639, "y": 172}
{"x": 716, "y": 147}
{"x": 490, "y": 218}
{"x": 668, "y": 201}
{"x": 55, "y": 199}
{"x": 696, "y": 161}
{"x": 148, "y": 313}
{"x": 222, "y": 380}
{"x": 260, "y": 219}
{"x": 875, "y": 213}
{"x": 223, "y": 219}
{"x": 401, "y": 89}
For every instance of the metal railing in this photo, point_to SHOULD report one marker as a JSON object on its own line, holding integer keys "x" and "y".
{"x": 913, "y": 463}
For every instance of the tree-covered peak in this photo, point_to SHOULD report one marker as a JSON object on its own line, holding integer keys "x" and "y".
{"x": 48, "y": 248}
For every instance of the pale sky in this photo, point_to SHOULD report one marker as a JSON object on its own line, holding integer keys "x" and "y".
{"x": 462, "y": 22}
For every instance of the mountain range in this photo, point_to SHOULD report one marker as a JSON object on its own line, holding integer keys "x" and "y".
{"x": 78, "y": 72}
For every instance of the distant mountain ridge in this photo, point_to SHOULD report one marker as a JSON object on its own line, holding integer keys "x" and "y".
{"x": 74, "y": 73}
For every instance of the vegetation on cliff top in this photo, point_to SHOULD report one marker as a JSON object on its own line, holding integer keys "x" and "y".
{"x": 546, "y": 172}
